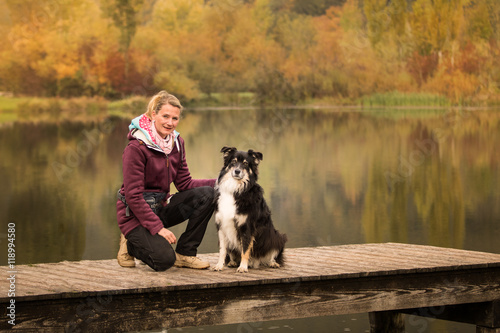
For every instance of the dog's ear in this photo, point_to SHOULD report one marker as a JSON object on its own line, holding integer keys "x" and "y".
{"x": 257, "y": 157}
{"x": 227, "y": 151}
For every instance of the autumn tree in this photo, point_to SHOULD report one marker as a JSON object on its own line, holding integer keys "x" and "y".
{"x": 124, "y": 14}
{"x": 315, "y": 7}
{"x": 280, "y": 50}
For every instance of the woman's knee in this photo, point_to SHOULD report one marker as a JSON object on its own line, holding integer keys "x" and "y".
{"x": 206, "y": 195}
{"x": 163, "y": 260}
{"x": 154, "y": 250}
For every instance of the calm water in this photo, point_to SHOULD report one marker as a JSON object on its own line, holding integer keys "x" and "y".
{"x": 331, "y": 177}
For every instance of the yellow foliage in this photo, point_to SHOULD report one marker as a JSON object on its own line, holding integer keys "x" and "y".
{"x": 456, "y": 85}
{"x": 226, "y": 46}
{"x": 176, "y": 82}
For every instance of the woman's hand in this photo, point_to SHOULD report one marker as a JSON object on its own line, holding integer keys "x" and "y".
{"x": 168, "y": 235}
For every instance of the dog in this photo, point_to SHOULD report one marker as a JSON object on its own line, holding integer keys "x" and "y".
{"x": 247, "y": 236}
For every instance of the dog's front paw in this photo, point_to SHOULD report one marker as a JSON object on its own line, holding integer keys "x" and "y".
{"x": 242, "y": 269}
{"x": 218, "y": 268}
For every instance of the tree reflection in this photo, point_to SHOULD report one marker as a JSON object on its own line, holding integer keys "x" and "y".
{"x": 330, "y": 178}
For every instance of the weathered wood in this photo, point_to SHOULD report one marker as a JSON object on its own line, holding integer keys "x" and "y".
{"x": 100, "y": 296}
{"x": 387, "y": 321}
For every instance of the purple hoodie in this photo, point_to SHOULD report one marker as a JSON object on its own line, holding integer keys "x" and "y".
{"x": 147, "y": 168}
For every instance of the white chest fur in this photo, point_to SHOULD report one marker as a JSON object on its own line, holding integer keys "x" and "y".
{"x": 227, "y": 208}
{"x": 227, "y": 217}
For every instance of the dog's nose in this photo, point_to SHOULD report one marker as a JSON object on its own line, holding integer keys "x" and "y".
{"x": 237, "y": 171}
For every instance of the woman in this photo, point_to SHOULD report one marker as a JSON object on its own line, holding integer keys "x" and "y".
{"x": 153, "y": 159}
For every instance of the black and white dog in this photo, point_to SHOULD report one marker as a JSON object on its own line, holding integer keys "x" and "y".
{"x": 247, "y": 236}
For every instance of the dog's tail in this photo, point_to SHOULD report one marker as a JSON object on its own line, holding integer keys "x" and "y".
{"x": 283, "y": 238}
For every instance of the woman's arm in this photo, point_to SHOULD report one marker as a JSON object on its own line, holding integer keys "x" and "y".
{"x": 134, "y": 164}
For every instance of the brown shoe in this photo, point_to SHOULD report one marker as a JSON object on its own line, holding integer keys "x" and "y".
{"x": 190, "y": 262}
{"x": 124, "y": 259}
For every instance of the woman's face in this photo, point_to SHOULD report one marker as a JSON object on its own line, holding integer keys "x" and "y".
{"x": 166, "y": 119}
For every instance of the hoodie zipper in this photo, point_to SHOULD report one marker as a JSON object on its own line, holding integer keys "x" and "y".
{"x": 168, "y": 173}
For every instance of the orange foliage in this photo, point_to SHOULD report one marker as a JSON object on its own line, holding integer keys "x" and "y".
{"x": 469, "y": 61}
{"x": 421, "y": 67}
{"x": 261, "y": 46}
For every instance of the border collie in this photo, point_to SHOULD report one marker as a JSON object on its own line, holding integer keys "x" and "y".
{"x": 246, "y": 233}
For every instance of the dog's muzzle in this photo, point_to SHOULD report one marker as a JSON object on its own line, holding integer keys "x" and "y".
{"x": 237, "y": 174}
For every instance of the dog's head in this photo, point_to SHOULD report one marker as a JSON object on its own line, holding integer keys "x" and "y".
{"x": 240, "y": 165}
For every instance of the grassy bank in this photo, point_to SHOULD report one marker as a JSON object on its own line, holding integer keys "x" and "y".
{"x": 8, "y": 108}
{"x": 24, "y": 108}
{"x": 397, "y": 99}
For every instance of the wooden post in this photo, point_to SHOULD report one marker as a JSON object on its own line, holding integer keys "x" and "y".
{"x": 480, "y": 329}
{"x": 387, "y": 321}
{"x": 485, "y": 315}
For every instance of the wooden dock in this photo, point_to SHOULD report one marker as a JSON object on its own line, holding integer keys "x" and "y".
{"x": 385, "y": 280}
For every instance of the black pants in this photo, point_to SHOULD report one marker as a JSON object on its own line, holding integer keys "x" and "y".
{"x": 195, "y": 205}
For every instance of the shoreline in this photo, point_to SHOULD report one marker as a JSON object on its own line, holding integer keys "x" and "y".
{"x": 64, "y": 109}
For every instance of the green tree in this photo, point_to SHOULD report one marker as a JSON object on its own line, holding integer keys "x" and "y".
{"x": 124, "y": 14}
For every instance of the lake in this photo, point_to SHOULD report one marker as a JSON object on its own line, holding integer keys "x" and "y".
{"x": 331, "y": 176}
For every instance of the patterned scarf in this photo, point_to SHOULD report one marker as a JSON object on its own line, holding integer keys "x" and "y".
{"x": 165, "y": 144}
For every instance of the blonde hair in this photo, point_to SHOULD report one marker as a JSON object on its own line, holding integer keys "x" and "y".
{"x": 159, "y": 100}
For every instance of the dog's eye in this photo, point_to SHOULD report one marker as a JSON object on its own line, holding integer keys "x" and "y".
{"x": 245, "y": 163}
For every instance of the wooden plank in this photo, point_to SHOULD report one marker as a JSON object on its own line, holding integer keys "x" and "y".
{"x": 458, "y": 254}
{"x": 326, "y": 263}
{"x": 99, "y": 296}
{"x": 428, "y": 256}
{"x": 179, "y": 308}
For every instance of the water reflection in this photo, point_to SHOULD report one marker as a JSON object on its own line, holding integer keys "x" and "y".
{"x": 330, "y": 177}
{"x": 57, "y": 181}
